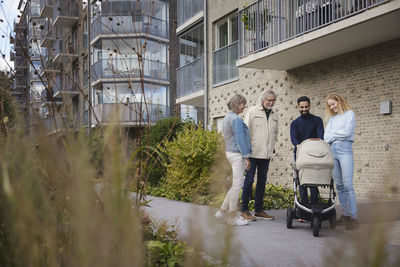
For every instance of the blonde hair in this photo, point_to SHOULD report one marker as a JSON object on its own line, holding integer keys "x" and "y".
{"x": 234, "y": 102}
{"x": 342, "y": 104}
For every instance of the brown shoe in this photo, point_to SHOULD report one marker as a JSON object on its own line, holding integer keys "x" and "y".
{"x": 247, "y": 215}
{"x": 264, "y": 216}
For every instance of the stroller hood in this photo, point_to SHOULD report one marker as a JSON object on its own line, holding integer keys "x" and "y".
{"x": 314, "y": 154}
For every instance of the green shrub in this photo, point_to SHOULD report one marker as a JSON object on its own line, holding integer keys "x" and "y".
{"x": 163, "y": 130}
{"x": 190, "y": 156}
{"x": 276, "y": 197}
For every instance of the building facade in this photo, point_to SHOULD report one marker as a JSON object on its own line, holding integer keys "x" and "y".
{"x": 94, "y": 62}
{"x": 311, "y": 48}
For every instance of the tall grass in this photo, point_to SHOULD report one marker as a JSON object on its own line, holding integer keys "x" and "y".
{"x": 51, "y": 213}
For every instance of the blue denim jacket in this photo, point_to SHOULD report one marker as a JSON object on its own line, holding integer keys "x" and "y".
{"x": 236, "y": 134}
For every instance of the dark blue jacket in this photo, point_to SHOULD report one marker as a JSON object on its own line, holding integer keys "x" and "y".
{"x": 305, "y": 127}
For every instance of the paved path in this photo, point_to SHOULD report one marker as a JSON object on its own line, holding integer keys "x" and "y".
{"x": 265, "y": 243}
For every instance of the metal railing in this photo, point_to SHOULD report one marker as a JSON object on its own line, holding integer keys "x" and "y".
{"x": 190, "y": 78}
{"x": 65, "y": 8}
{"x": 224, "y": 63}
{"x": 187, "y": 9}
{"x": 133, "y": 24}
{"x": 269, "y": 22}
{"x": 129, "y": 68}
{"x": 134, "y": 112}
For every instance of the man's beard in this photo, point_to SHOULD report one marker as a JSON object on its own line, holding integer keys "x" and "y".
{"x": 304, "y": 113}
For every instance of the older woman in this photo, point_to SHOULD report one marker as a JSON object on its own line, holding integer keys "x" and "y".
{"x": 339, "y": 133}
{"x": 238, "y": 150}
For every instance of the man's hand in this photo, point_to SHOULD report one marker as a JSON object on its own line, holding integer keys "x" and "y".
{"x": 247, "y": 164}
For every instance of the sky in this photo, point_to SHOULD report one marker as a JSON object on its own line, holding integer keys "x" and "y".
{"x": 8, "y": 12}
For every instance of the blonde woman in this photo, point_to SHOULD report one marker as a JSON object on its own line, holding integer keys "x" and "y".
{"x": 339, "y": 133}
{"x": 238, "y": 150}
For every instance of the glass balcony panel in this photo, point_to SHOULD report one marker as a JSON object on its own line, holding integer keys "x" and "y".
{"x": 190, "y": 78}
{"x": 126, "y": 68}
{"x": 133, "y": 24}
{"x": 129, "y": 113}
{"x": 225, "y": 64}
{"x": 188, "y": 9}
{"x": 46, "y": 8}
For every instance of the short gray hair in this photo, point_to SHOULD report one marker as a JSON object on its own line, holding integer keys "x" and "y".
{"x": 266, "y": 93}
{"x": 234, "y": 102}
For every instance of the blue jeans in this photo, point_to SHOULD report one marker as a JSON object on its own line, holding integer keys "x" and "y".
{"x": 343, "y": 176}
{"x": 262, "y": 168}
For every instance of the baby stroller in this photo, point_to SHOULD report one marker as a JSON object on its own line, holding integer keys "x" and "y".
{"x": 313, "y": 167}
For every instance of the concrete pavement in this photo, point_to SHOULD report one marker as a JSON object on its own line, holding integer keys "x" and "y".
{"x": 267, "y": 243}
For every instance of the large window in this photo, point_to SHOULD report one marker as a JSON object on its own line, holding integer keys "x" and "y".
{"x": 191, "y": 45}
{"x": 187, "y": 9}
{"x": 117, "y": 58}
{"x": 226, "y": 50}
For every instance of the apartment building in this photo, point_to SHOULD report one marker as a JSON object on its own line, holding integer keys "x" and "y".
{"x": 94, "y": 62}
{"x": 303, "y": 47}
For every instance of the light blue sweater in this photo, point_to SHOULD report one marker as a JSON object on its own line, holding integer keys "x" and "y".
{"x": 341, "y": 127}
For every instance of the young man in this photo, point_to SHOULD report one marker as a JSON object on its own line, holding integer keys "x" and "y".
{"x": 263, "y": 125}
{"x": 304, "y": 127}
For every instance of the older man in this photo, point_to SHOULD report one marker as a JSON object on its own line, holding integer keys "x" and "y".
{"x": 263, "y": 125}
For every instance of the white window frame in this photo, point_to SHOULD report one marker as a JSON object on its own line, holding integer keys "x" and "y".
{"x": 228, "y": 19}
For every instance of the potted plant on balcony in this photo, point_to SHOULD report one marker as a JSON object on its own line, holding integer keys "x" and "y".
{"x": 256, "y": 20}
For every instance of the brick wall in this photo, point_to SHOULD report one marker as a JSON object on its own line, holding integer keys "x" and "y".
{"x": 365, "y": 77}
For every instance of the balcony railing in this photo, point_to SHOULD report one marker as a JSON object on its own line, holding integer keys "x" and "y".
{"x": 129, "y": 113}
{"x": 46, "y": 8}
{"x": 64, "y": 52}
{"x": 127, "y": 68}
{"x": 224, "y": 61}
{"x": 20, "y": 83}
{"x": 20, "y": 62}
{"x": 135, "y": 24}
{"x": 190, "y": 78}
{"x": 63, "y": 86}
{"x": 47, "y": 35}
{"x": 187, "y": 9}
{"x": 65, "y": 13}
{"x": 269, "y": 22}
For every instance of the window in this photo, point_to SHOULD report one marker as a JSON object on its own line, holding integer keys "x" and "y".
{"x": 226, "y": 50}
{"x": 191, "y": 45}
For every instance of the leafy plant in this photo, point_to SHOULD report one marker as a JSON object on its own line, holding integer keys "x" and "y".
{"x": 251, "y": 18}
{"x": 276, "y": 197}
{"x": 164, "y": 130}
{"x": 190, "y": 157}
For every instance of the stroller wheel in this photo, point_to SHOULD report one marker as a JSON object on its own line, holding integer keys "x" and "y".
{"x": 332, "y": 220}
{"x": 289, "y": 217}
{"x": 316, "y": 226}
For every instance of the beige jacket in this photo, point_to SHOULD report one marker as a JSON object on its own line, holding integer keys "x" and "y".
{"x": 263, "y": 132}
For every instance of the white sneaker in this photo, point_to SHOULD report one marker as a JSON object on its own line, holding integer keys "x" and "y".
{"x": 237, "y": 220}
{"x": 221, "y": 214}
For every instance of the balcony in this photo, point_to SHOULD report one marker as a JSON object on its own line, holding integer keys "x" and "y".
{"x": 64, "y": 53}
{"x": 62, "y": 87}
{"x": 19, "y": 26}
{"x": 46, "y": 8}
{"x": 128, "y": 114}
{"x": 47, "y": 35}
{"x": 55, "y": 123}
{"x": 128, "y": 26}
{"x": 65, "y": 14}
{"x": 47, "y": 97}
{"x": 283, "y": 35}
{"x": 20, "y": 83}
{"x": 50, "y": 71}
{"x": 128, "y": 68}
{"x": 190, "y": 83}
{"x": 20, "y": 63}
{"x": 224, "y": 61}
{"x": 189, "y": 12}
